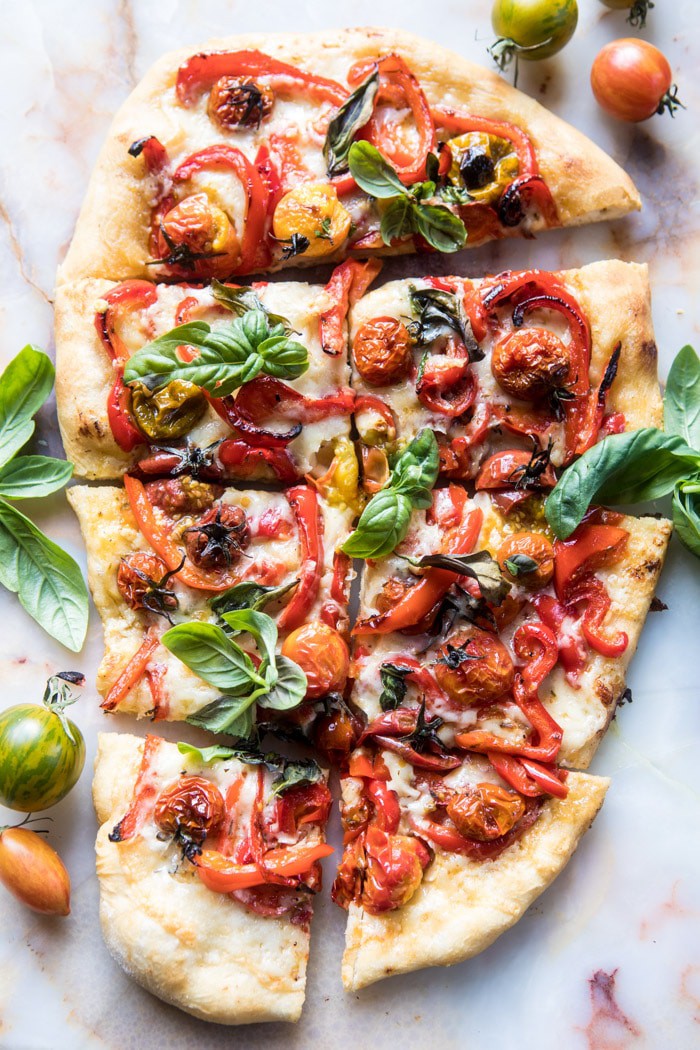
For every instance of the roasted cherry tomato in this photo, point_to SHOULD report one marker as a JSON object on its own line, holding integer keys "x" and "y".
{"x": 474, "y": 667}
{"x": 33, "y": 872}
{"x": 182, "y": 495}
{"x": 381, "y": 351}
{"x": 484, "y": 164}
{"x": 632, "y": 80}
{"x": 394, "y": 870}
{"x": 313, "y": 211}
{"x": 533, "y": 29}
{"x": 529, "y": 363}
{"x": 527, "y": 557}
{"x": 199, "y": 228}
{"x": 42, "y": 753}
{"x": 168, "y": 413}
{"x": 335, "y": 733}
{"x": 219, "y": 537}
{"x": 190, "y": 810}
{"x": 637, "y": 10}
{"x": 144, "y": 582}
{"x": 239, "y": 102}
{"x": 485, "y": 812}
{"x": 322, "y": 655}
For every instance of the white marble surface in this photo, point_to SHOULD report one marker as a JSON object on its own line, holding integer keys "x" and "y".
{"x": 629, "y": 903}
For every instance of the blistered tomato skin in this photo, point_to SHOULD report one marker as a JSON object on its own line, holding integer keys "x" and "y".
{"x": 130, "y": 577}
{"x": 313, "y": 210}
{"x": 474, "y": 667}
{"x": 192, "y": 809}
{"x": 394, "y": 870}
{"x": 239, "y": 102}
{"x": 530, "y": 363}
{"x": 322, "y": 655}
{"x": 219, "y": 538}
{"x": 39, "y": 761}
{"x": 382, "y": 351}
{"x": 632, "y": 80}
{"x": 33, "y": 872}
{"x": 201, "y": 227}
{"x": 531, "y": 545}
{"x": 486, "y": 812}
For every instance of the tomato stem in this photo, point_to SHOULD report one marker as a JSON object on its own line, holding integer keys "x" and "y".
{"x": 58, "y": 696}
{"x": 670, "y": 101}
{"x": 27, "y": 820}
{"x": 638, "y": 13}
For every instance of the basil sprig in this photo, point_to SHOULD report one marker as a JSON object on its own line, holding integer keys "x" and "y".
{"x": 228, "y": 356}
{"x": 352, "y": 115}
{"x": 408, "y": 211}
{"x": 241, "y": 299}
{"x": 290, "y": 772}
{"x": 47, "y": 581}
{"x": 643, "y": 464}
{"x": 385, "y": 520}
{"x": 211, "y": 652}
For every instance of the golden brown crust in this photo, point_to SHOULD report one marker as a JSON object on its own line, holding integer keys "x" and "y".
{"x": 462, "y": 905}
{"x": 111, "y": 237}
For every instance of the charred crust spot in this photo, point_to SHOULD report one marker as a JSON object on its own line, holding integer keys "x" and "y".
{"x": 648, "y": 353}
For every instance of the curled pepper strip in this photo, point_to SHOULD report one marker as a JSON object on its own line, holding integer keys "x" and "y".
{"x": 158, "y": 536}
{"x": 239, "y": 459}
{"x": 143, "y": 796}
{"x": 200, "y": 72}
{"x": 133, "y": 672}
{"x": 304, "y": 503}
{"x": 387, "y": 812}
{"x": 448, "y": 838}
{"x": 222, "y": 875}
{"x": 591, "y": 592}
{"x": 447, "y": 385}
{"x": 572, "y": 655}
{"x": 418, "y": 600}
{"x": 390, "y": 730}
{"x": 589, "y": 548}
{"x": 529, "y": 777}
{"x": 463, "y": 123}
{"x": 347, "y": 284}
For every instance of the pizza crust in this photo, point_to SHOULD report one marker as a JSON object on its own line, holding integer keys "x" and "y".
{"x": 111, "y": 236}
{"x": 462, "y": 905}
{"x": 198, "y": 950}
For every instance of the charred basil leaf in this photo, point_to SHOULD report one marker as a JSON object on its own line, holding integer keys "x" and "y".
{"x": 439, "y": 313}
{"x": 520, "y": 565}
{"x": 240, "y": 300}
{"x": 352, "y": 115}
{"x": 394, "y": 686}
{"x": 248, "y": 596}
{"x": 297, "y": 244}
{"x": 296, "y": 773}
{"x": 480, "y": 566}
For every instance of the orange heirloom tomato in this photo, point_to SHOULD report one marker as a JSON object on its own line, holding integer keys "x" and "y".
{"x": 485, "y": 812}
{"x": 322, "y": 655}
{"x": 192, "y": 809}
{"x": 528, "y": 545}
{"x": 632, "y": 80}
{"x": 382, "y": 351}
{"x": 530, "y": 362}
{"x": 33, "y": 872}
{"x": 474, "y": 667}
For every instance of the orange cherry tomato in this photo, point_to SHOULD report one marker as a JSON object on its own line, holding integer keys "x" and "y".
{"x": 322, "y": 655}
{"x": 519, "y": 550}
{"x": 33, "y": 872}
{"x": 474, "y": 667}
{"x": 192, "y": 809}
{"x": 382, "y": 351}
{"x": 632, "y": 80}
{"x": 530, "y": 362}
{"x": 485, "y": 812}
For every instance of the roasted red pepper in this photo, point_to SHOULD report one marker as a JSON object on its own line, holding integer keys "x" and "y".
{"x": 201, "y": 72}
{"x": 304, "y": 503}
{"x": 302, "y": 805}
{"x": 446, "y": 384}
{"x": 591, "y": 593}
{"x": 572, "y": 654}
{"x": 448, "y": 838}
{"x": 222, "y": 875}
{"x": 347, "y": 284}
{"x": 133, "y": 672}
{"x": 266, "y": 398}
{"x": 589, "y": 548}
{"x": 144, "y": 794}
{"x": 529, "y": 777}
{"x": 387, "y": 813}
{"x": 241, "y": 460}
{"x": 513, "y": 469}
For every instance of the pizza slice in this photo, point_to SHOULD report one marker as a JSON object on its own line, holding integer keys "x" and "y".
{"x": 277, "y": 352}
{"x": 262, "y": 151}
{"x": 208, "y": 861}
{"x": 179, "y": 550}
{"x": 514, "y": 373}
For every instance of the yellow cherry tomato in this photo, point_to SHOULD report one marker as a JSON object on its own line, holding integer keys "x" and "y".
{"x": 313, "y": 211}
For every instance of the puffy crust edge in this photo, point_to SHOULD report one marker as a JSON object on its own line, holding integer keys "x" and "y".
{"x": 462, "y": 906}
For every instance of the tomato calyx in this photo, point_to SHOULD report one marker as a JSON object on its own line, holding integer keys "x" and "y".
{"x": 58, "y": 696}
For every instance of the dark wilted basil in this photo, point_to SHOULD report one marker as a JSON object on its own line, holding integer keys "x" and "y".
{"x": 352, "y": 115}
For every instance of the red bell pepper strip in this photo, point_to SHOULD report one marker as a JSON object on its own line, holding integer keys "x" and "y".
{"x": 534, "y": 189}
{"x": 347, "y": 284}
{"x": 529, "y": 777}
{"x": 434, "y": 584}
{"x": 589, "y": 548}
{"x": 143, "y": 796}
{"x": 304, "y": 503}
{"x": 572, "y": 655}
{"x": 200, "y": 72}
{"x": 342, "y": 564}
{"x": 157, "y": 535}
{"x": 387, "y": 813}
{"x": 463, "y": 123}
{"x": 418, "y": 759}
{"x": 596, "y": 602}
{"x": 448, "y": 506}
{"x": 227, "y": 158}
{"x": 221, "y": 875}
{"x": 302, "y": 805}
{"x": 447, "y": 386}
{"x": 266, "y": 397}
{"x": 448, "y": 838}
{"x": 133, "y": 672}
{"x": 155, "y": 155}
{"x": 241, "y": 460}
{"x": 371, "y": 765}
{"x": 370, "y": 403}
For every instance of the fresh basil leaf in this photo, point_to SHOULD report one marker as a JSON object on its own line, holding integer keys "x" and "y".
{"x": 24, "y": 387}
{"x": 686, "y": 514}
{"x": 47, "y": 581}
{"x": 233, "y": 715}
{"x": 227, "y": 358}
{"x": 248, "y": 596}
{"x": 262, "y": 627}
{"x": 295, "y": 773}
{"x": 480, "y": 566}
{"x": 415, "y": 469}
{"x": 373, "y": 173}
{"x": 208, "y": 651}
{"x": 682, "y": 397}
{"x": 352, "y": 115}
{"x": 633, "y": 467}
{"x": 440, "y": 313}
{"x": 394, "y": 686}
{"x": 240, "y": 300}
{"x": 520, "y": 565}
{"x": 28, "y": 477}
{"x": 441, "y": 228}
{"x": 398, "y": 220}
{"x": 383, "y": 524}
{"x": 288, "y": 690}
{"x": 207, "y": 755}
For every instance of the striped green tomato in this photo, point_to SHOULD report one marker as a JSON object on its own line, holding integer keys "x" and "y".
{"x": 42, "y": 753}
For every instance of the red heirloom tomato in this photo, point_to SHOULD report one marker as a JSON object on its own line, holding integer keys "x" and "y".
{"x": 632, "y": 80}
{"x": 322, "y": 655}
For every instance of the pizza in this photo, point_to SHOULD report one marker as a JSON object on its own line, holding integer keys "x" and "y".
{"x": 182, "y": 549}
{"x": 237, "y": 158}
{"x": 207, "y": 866}
{"x": 517, "y": 366}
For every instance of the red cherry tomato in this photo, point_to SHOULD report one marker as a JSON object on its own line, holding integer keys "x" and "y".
{"x": 632, "y": 80}
{"x": 322, "y": 655}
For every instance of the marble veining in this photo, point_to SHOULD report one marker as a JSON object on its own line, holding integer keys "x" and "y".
{"x": 609, "y": 957}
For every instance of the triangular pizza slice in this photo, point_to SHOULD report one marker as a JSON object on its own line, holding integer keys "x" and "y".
{"x": 257, "y": 152}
